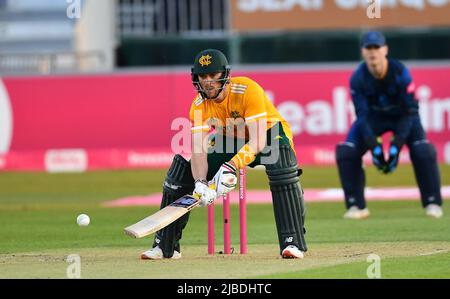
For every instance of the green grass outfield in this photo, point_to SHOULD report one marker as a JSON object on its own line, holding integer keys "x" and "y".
{"x": 38, "y": 231}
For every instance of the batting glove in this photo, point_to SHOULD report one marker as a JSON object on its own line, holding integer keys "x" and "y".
{"x": 206, "y": 194}
{"x": 225, "y": 179}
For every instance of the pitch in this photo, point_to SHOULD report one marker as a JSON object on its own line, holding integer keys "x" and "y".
{"x": 39, "y": 232}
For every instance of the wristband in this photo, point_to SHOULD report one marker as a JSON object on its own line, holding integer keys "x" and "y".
{"x": 244, "y": 157}
{"x": 203, "y": 181}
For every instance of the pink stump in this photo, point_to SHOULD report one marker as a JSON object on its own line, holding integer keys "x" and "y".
{"x": 226, "y": 225}
{"x": 242, "y": 211}
{"x": 211, "y": 229}
{"x": 226, "y": 220}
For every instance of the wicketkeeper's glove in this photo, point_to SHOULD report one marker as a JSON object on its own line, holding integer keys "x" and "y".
{"x": 378, "y": 156}
{"x": 394, "y": 154}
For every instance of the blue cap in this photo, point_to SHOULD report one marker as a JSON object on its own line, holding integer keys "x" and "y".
{"x": 373, "y": 38}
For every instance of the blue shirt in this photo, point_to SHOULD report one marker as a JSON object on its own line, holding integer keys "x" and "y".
{"x": 391, "y": 98}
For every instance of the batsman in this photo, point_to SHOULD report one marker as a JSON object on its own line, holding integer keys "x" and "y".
{"x": 382, "y": 91}
{"x": 234, "y": 125}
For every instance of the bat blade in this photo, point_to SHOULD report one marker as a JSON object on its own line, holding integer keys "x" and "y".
{"x": 162, "y": 218}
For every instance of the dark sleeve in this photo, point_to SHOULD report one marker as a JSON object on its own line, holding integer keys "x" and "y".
{"x": 409, "y": 105}
{"x": 362, "y": 110}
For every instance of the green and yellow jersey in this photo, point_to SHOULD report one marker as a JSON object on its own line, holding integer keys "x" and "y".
{"x": 246, "y": 102}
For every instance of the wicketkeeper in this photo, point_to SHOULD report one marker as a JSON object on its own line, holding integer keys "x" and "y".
{"x": 247, "y": 131}
{"x": 382, "y": 91}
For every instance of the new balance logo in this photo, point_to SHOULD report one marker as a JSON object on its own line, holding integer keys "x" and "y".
{"x": 289, "y": 239}
{"x": 173, "y": 187}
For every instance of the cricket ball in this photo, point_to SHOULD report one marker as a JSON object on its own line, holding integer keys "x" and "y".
{"x": 83, "y": 220}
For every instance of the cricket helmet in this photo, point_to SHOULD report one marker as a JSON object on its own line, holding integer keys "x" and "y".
{"x": 210, "y": 61}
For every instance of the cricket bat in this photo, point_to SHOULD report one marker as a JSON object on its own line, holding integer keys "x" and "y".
{"x": 163, "y": 217}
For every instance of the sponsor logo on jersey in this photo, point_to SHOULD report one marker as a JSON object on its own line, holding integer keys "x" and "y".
{"x": 235, "y": 114}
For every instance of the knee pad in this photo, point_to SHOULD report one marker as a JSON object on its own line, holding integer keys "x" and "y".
{"x": 179, "y": 176}
{"x": 346, "y": 151}
{"x": 422, "y": 150}
{"x": 285, "y": 170}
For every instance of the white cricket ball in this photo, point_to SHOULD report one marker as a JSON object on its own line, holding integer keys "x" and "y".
{"x": 83, "y": 220}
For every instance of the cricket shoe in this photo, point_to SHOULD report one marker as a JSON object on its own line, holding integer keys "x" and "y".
{"x": 292, "y": 252}
{"x": 156, "y": 254}
{"x": 434, "y": 211}
{"x": 356, "y": 213}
